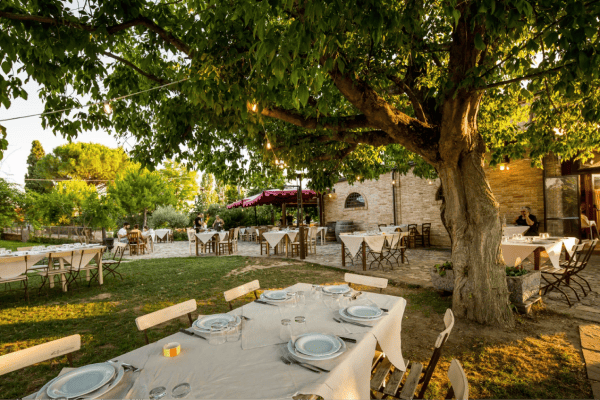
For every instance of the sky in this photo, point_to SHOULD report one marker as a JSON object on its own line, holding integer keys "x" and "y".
{"x": 21, "y": 132}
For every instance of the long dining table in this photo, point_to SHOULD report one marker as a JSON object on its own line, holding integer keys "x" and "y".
{"x": 33, "y": 257}
{"x": 252, "y": 368}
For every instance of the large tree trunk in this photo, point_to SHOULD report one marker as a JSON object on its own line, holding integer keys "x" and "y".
{"x": 470, "y": 214}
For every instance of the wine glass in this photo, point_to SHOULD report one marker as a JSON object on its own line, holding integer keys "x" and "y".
{"x": 301, "y": 298}
{"x": 317, "y": 292}
{"x": 233, "y": 330}
{"x": 300, "y": 326}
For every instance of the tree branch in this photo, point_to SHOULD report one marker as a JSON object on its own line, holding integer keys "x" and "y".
{"x": 351, "y": 122}
{"x": 131, "y": 65}
{"x": 522, "y": 78}
{"x": 411, "y": 96}
{"x": 342, "y": 154}
{"x": 111, "y": 30}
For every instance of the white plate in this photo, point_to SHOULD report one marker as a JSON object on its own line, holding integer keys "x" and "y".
{"x": 301, "y": 356}
{"x": 348, "y": 317}
{"x": 203, "y": 325}
{"x": 341, "y": 289}
{"x": 277, "y": 295}
{"x": 81, "y": 381}
{"x": 366, "y": 312}
{"x": 110, "y": 386}
{"x": 317, "y": 344}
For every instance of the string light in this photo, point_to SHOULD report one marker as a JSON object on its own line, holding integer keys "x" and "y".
{"x": 394, "y": 182}
{"x": 502, "y": 167}
{"x": 430, "y": 182}
{"x": 268, "y": 145}
{"x": 108, "y": 108}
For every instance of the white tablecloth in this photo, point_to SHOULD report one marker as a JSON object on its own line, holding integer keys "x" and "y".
{"x": 228, "y": 371}
{"x": 322, "y": 230}
{"x": 514, "y": 230}
{"x": 205, "y": 237}
{"x": 354, "y": 242}
{"x": 162, "y": 233}
{"x": 274, "y": 237}
{"x": 515, "y": 251}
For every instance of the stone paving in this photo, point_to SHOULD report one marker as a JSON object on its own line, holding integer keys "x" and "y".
{"x": 415, "y": 272}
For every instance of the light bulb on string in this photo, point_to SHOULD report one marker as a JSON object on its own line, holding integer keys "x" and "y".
{"x": 502, "y": 167}
{"x": 430, "y": 182}
{"x": 268, "y": 145}
{"x": 107, "y": 108}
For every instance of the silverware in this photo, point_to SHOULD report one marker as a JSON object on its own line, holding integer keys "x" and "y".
{"x": 349, "y": 340}
{"x": 294, "y": 361}
{"x": 353, "y": 323}
{"x": 288, "y": 362}
{"x": 264, "y": 302}
{"x": 246, "y": 318}
{"x": 191, "y": 334}
{"x": 384, "y": 309}
{"x": 127, "y": 366}
{"x": 356, "y": 295}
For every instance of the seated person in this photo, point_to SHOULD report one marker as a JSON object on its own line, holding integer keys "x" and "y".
{"x": 122, "y": 234}
{"x": 136, "y": 229}
{"x": 290, "y": 219}
{"x": 528, "y": 219}
{"x": 219, "y": 223}
{"x": 147, "y": 232}
{"x": 199, "y": 222}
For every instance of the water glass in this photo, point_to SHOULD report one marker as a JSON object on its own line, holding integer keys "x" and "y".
{"x": 292, "y": 299}
{"x": 233, "y": 330}
{"x": 285, "y": 331}
{"x": 299, "y": 327}
{"x": 218, "y": 333}
{"x": 301, "y": 298}
{"x": 345, "y": 300}
{"x": 158, "y": 393}
{"x": 334, "y": 301}
{"x": 181, "y": 390}
{"x": 317, "y": 292}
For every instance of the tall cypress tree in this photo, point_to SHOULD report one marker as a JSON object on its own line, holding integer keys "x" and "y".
{"x": 37, "y": 152}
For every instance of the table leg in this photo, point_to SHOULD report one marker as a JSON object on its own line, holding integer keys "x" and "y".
{"x": 343, "y": 255}
{"x": 536, "y": 259}
{"x": 364, "y": 255}
{"x": 99, "y": 263}
{"x": 63, "y": 278}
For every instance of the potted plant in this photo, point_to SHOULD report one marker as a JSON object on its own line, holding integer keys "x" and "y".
{"x": 442, "y": 277}
{"x": 524, "y": 287}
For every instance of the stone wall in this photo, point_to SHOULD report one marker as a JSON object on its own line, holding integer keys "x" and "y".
{"x": 518, "y": 186}
{"x": 378, "y": 199}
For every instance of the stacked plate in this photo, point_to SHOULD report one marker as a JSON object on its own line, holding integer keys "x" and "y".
{"x": 337, "y": 289}
{"x": 361, "y": 313}
{"x": 202, "y": 325}
{"x": 275, "y": 296}
{"x": 316, "y": 346}
{"x": 89, "y": 382}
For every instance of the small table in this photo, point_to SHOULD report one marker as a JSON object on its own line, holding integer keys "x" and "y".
{"x": 515, "y": 251}
{"x": 274, "y": 238}
{"x": 206, "y": 237}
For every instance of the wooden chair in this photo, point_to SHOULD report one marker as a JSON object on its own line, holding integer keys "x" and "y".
{"x": 110, "y": 265}
{"x": 363, "y": 280}
{"x": 14, "y": 269}
{"x": 382, "y": 367}
{"x": 82, "y": 261}
{"x": 136, "y": 244}
{"x": 227, "y": 246}
{"x": 380, "y": 225}
{"x": 42, "y": 352}
{"x": 166, "y": 314}
{"x": 191, "y": 233}
{"x": 295, "y": 245}
{"x": 57, "y": 258}
{"x": 459, "y": 385}
{"x": 426, "y": 234}
{"x": 414, "y": 236}
{"x": 264, "y": 244}
{"x": 240, "y": 291}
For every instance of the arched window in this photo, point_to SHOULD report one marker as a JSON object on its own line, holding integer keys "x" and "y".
{"x": 354, "y": 200}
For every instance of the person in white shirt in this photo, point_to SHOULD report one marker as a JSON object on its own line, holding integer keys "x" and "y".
{"x": 122, "y": 234}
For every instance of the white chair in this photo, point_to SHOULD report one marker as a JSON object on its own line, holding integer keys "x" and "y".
{"x": 42, "y": 352}
{"x": 14, "y": 269}
{"x": 363, "y": 280}
{"x": 240, "y": 291}
{"x": 192, "y": 240}
{"x": 166, "y": 314}
{"x": 459, "y": 388}
{"x": 234, "y": 241}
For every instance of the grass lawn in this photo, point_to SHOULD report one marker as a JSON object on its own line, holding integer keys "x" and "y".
{"x": 535, "y": 360}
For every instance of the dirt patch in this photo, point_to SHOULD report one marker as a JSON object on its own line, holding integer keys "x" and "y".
{"x": 101, "y": 296}
{"x": 261, "y": 263}
{"x": 107, "y": 346}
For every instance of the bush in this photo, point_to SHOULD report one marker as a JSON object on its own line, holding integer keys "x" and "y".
{"x": 51, "y": 241}
{"x": 515, "y": 271}
{"x": 167, "y": 217}
{"x": 442, "y": 268}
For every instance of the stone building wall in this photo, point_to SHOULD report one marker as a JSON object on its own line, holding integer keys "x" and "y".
{"x": 518, "y": 186}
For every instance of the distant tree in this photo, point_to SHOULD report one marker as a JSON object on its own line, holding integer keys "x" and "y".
{"x": 11, "y": 203}
{"x": 207, "y": 195}
{"x": 139, "y": 191}
{"x": 63, "y": 204}
{"x": 168, "y": 217}
{"x": 92, "y": 162}
{"x": 36, "y": 154}
{"x": 182, "y": 182}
